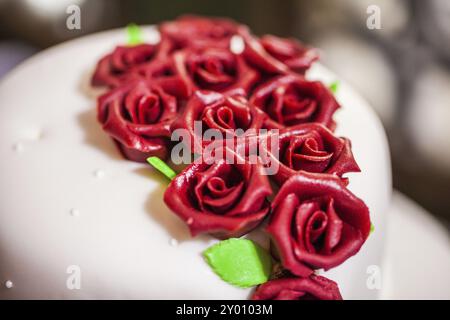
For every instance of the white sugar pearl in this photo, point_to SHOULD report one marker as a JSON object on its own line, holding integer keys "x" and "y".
{"x": 173, "y": 242}
{"x": 9, "y": 284}
{"x": 36, "y": 135}
{"x": 237, "y": 44}
{"x": 99, "y": 173}
{"x": 74, "y": 212}
{"x": 18, "y": 147}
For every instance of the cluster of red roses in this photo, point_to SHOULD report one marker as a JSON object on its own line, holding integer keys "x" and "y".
{"x": 196, "y": 73}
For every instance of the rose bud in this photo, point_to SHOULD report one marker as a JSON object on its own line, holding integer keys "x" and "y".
{"x": 292, "y": 100}
{"x": 137, "y": 115}
{"x": 317, "y": 223}
{"x": 220, "y": 197}
{"x": 309, "y": 147}
{"x": 312, "y": 288}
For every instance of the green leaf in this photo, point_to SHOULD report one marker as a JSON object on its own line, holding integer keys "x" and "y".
{"x": 162, "y": 167}
{"x": 334, "y": 87}
{"x": 134, "y": 34}
{"x": 372, "y": 228}
{"x": 240, "y": 262}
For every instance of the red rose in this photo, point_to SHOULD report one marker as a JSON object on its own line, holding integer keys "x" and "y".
{"x": 272, "y": 54}
{"x": 220, "y": 198}
{"x": 310, "y": 147}
{"x": 311, "y": 288}
{"x": 292, "y": 100}
{"x": 217, "y": 70}
{"x": 113, "y": 69}
{"x": 223, "y": 113}
{"x": 317, "y": 223}
{"x": 138, "y": 115}
{"x": 195, "y": 31}
{"x": 165, "y": 72}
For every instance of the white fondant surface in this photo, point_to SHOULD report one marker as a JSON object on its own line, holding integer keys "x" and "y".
{"x": 69, "y": 199}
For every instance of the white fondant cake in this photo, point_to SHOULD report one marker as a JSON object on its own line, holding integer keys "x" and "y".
{"x": 79, "y": 221}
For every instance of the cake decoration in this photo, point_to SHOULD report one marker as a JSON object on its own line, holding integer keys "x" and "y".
{"x": 222, "y": 199}
{"x": 165, "y": 71}
{"x": 138, "y": 116}
{"x": 313, "y": 287}
{"x": 292, "y": 100}
{"x": 173, "y": 242}
{"x": 74, "y": 212}
{"x": 240, "y": 262}
{"x": 118, "y": 67}
{"x": 9, "y": 284}
{"x": 195, "y": 31}
{"x": 134, "y": 34}
{"x": 216, "y": 69}
{"x": 162, "y": 167}
{"x": 18, "y": 147}
{"x": 317, "y": 223}
{"x": 195, "y": 76}
{"x": 275, "y": 55}
{"x": 99, "y": 173}
{"x": 223, "y": 113}
{"x": 334, "y": 86}
{"x": 312, "y": 148}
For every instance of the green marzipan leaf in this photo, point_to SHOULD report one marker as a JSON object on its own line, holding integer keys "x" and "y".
{"x": 162, "y": 167}
{"x": 334, "y": 87}
{"x": 134, "y": 34}
{"x": 240, "y": 262}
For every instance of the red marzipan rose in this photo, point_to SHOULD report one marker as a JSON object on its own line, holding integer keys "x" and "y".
{"x": 137, "y": 115}
{"x": 311, "y": 288}
{"x": 317, "y": 223}
{"x": 292, "y": 100}
{"x": 217, "y": 70}
{"x": 272, "y": 54}
{"x": 222, "y": 199}
{"x": 224, "y": 113}
{"x": 313, "y": 148}
{"x": 165, "y": 72}
{"x": 195, "y": 31}
{"x": 114, "y": 68}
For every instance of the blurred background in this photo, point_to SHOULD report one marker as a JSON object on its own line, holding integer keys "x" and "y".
{"x": 402, "y": 69}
